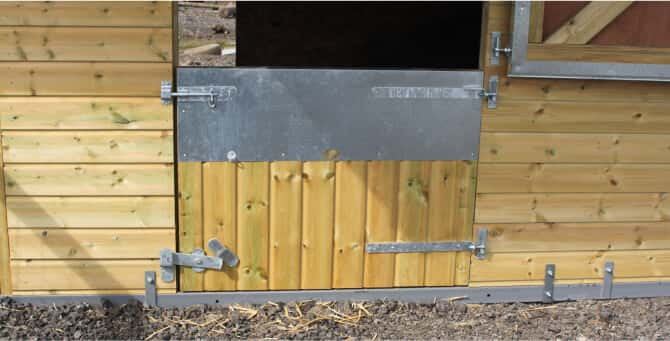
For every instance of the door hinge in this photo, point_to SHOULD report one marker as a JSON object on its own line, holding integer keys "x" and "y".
{"x": 478, "y": 247}
{"x": 197, "y": 260}
{"x": 210, "y": 94}
{"x": 497, "y": 49}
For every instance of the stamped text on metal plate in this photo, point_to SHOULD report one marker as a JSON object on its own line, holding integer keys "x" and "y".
{"x": 414, "y": 92}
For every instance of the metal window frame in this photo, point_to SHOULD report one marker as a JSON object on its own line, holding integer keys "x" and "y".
{"x": 520, "y": 66}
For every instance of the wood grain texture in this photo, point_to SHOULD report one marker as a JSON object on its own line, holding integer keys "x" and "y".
{"x": 466, "y": 205}
{"x": 540, "y": 116}
{"x": 83, "y": 274}
{"x": 190, "y": 221}
{"x": 571, "y": 265}
{"x": 318, "y": 205}
{"x": 82, "y": 78}
{"x": 253, "y": 230}
{"x": 535, "y": 22}
{"x": 72, "y": 13}
{"x": 580, "y": 90}
{"x": 89, "y": 243}
{"x": 541, "y": 237}
{"x": 381, "y": 221}
{"x": 5, "y": 268}
{"x": 444, "y": 221}
{"x": 285, "y": 224}
{"x": 73, "y": 44}
{"x": 84, "y": 113}
{"x": 219, "y": 200}
{"x": 573, "y": 178}
{"x": 90, "y": 212}
{"x": 349, "y": 235}
{"x": 83, "y": 179}
{"x": 88, "y": 146}
{"x": 579, "y": 207}
{"x": 574, "y": 148}
{"x": 588, "y": 22}
{"x": 413, "y": 203}
{"x": 598, "y": 54}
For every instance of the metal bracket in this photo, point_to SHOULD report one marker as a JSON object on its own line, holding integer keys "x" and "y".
{"x": 496, "y": 49}
{"x": 548, "y": 290}
{"x": 491, "y": 94}
{"x": 608, "y": 279}
{"x": 478, "y": 248}
{"x": 211, "y": 94}
{"x": 150, "y": 291}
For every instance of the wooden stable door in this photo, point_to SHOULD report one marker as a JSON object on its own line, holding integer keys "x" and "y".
{"x": 304, "y": 225}
{"x": 292, "y": 170}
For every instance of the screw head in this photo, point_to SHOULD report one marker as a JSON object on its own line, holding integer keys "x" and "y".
{"x": 231, "y": 155}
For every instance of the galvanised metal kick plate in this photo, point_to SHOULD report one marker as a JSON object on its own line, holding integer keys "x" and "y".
{"x": 311, "y": 114}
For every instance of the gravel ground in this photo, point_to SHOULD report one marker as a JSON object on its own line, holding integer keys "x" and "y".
{"x": 617, "y": 319}
{"x": 203, "y": 25}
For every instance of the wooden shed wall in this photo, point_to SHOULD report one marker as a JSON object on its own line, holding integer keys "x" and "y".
{"x": 87, "y": 147}
{"x": 575, "y": 173}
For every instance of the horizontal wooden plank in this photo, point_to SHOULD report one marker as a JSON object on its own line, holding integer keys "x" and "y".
{"x": 541, "y": 237}
{"x": 591, "y": 207}
{"x": 82, "y": 274}
{"x": 577, "y": 148}
{"x": 85, "y": 179}
{"x": 74, "y": 13}
{"x": 89, "y": 292}
{"x": 20, "y": 43}
{"x": 598, "y": 53}
{"x": 572, "y": 178}
{"x": 88, "y": 147}
{"x": 576, "y": 117}
{"x": 569, "y": 281}
{"x": 582, "y": 90}
{"x": 571, "y": 265}
{"x": 49, "y": 113}
{"x": 89, "y": 243}
{"x": 82, "y": 79}
{"x": 82, "y": 212}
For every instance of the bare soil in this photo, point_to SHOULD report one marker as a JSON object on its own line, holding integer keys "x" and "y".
{"x": 616, "y": 319}
{"x": 200, "y": 24}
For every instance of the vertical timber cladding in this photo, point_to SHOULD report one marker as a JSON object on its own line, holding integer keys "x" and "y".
{"x": 86, "y": 145}
{"x": 304, "y": 224}
{"x": 573, "y": 173}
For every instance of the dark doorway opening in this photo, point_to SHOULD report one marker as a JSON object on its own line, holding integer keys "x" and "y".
{"x": 403, "y": 35}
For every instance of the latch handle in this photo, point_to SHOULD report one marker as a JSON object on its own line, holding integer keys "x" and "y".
{"x": 167, "y": 94}
{"x": 196, "y": 260}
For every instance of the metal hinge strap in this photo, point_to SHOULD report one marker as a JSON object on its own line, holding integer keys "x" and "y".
{"x": 497, "y": 49}
{"x": 478, "y": 247}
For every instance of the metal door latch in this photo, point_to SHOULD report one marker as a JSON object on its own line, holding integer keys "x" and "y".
{"x": 210, "y": 94}
{"x": 496, "y": 48}
{"x": 491, "y": 94}
{"x": 478, "y": 247}
{"x": 197, "y": 260}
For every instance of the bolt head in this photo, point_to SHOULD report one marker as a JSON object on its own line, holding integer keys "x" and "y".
{"x": 231, "y": 155}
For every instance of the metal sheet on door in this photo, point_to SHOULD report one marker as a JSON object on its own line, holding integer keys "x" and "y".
{"x": 308, "y": 114}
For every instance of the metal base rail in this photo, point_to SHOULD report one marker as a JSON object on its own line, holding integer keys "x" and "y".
{"x": 527, "y": 294}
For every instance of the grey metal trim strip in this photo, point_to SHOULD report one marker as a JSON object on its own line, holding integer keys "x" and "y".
{"x": 526, "y": 294}
{"x": 413, "y": 247}
{"x": 520, "y": 66}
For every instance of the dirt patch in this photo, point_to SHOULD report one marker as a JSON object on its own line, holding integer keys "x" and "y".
{"x": 617, "y": 319}
{"x": 202, "y": 23}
